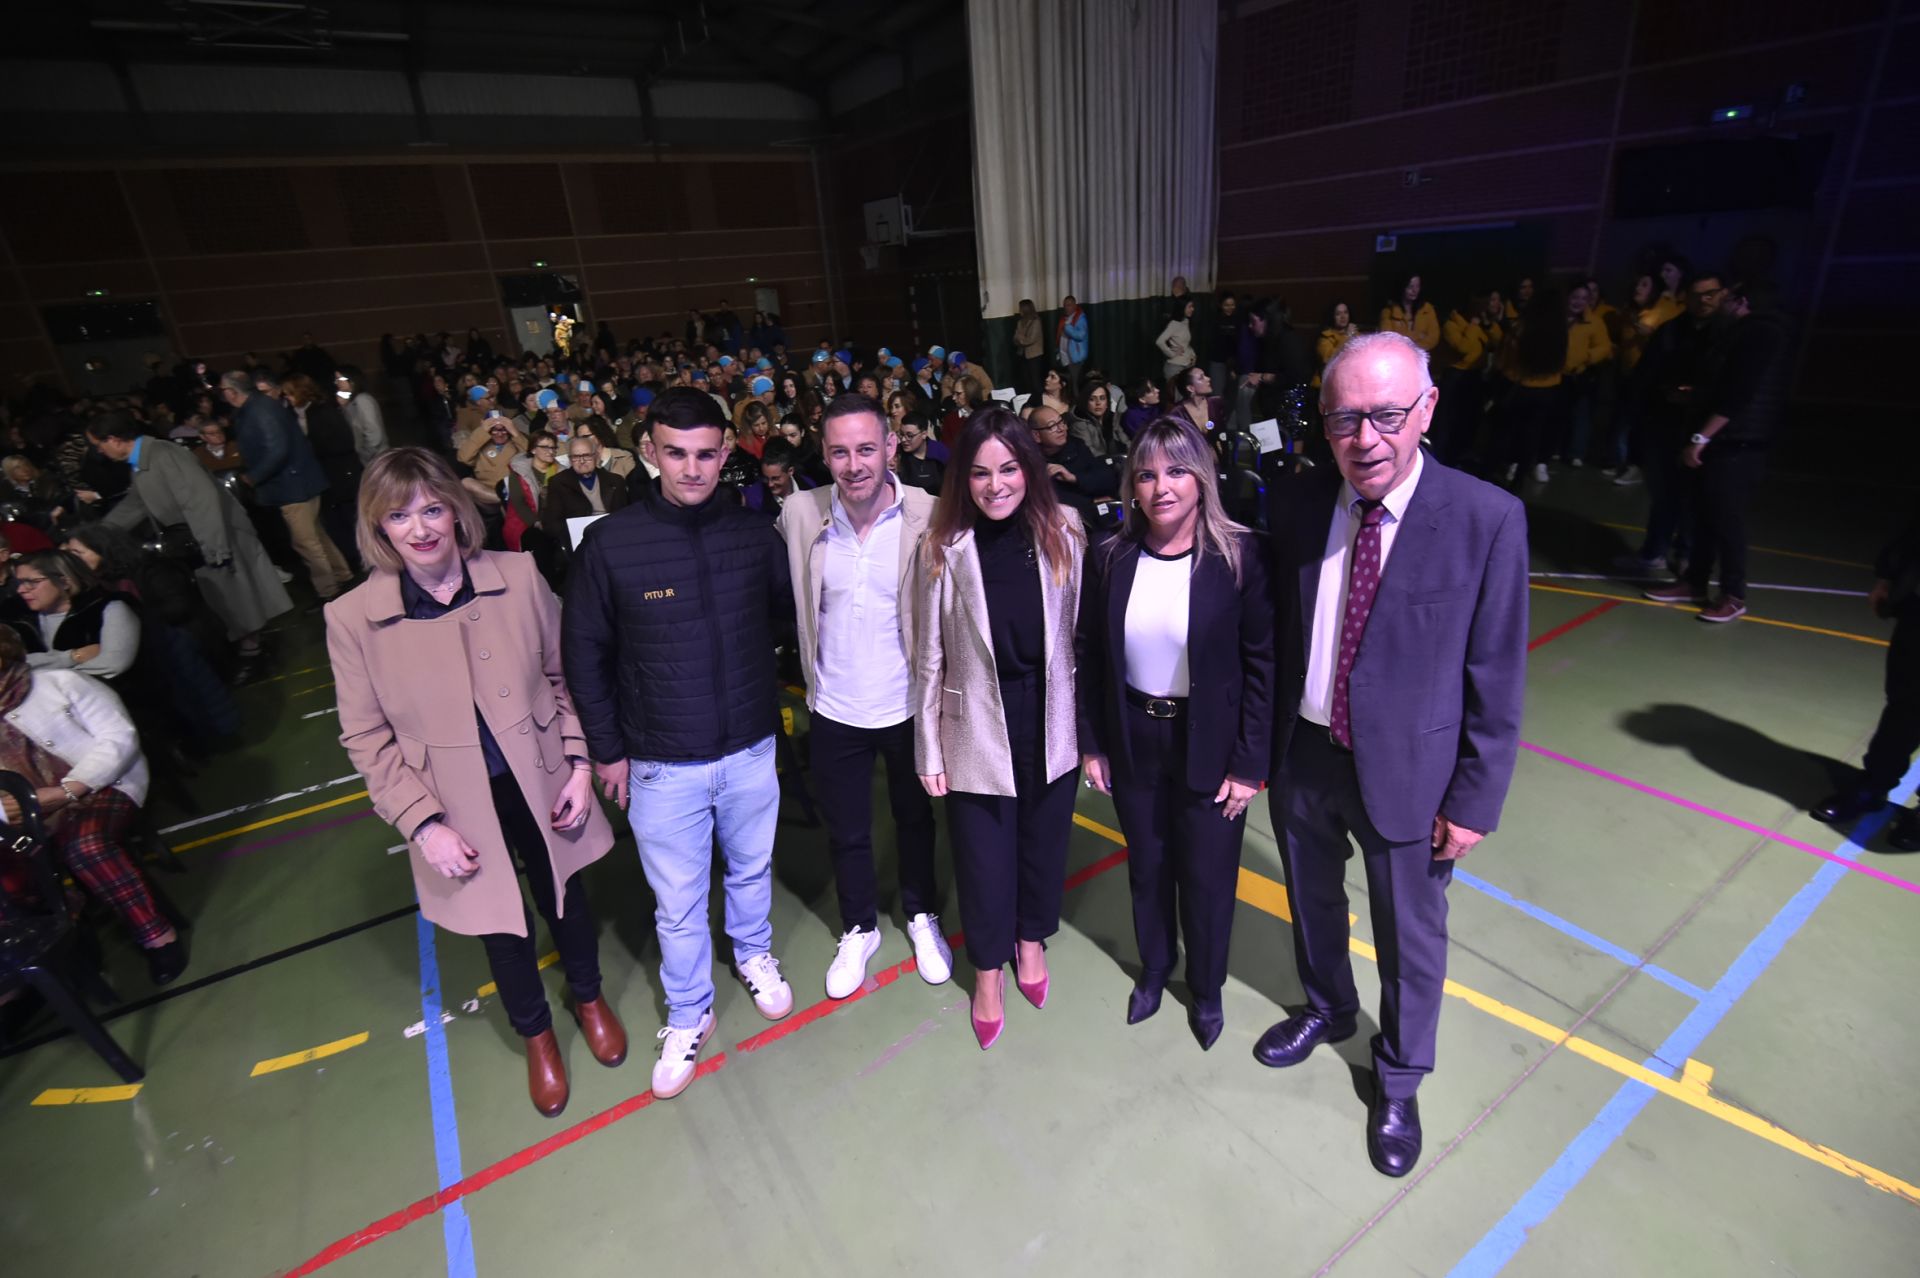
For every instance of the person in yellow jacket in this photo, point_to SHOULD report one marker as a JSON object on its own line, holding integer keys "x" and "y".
{"x": 1472, "y": 333}
{"x": 1589, "y": 376}
{"x": 1533, "y": 362}
{"x": 1412, "y": 317}
{"x": 1339, "y": 331}
{"x": 1521, "y": 299}
{"x": 1647, "y": 309}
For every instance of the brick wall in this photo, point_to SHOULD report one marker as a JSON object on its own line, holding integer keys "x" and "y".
{"x": 247, "y": 255}
{"x": 1514, "y": 111}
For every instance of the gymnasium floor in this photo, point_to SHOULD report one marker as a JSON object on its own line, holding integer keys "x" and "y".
{"x": 1674, "y": 1043}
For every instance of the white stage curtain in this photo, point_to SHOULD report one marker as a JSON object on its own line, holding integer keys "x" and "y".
{"x": 1093, "y": 147}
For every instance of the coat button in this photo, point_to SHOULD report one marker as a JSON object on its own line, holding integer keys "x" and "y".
{"x": 539, "y": 761}
{"x": 523, "y": 729}
{"x": 474, "y": 615}
{"x": 505, "y": 692}
{"x": 484, "y": 654}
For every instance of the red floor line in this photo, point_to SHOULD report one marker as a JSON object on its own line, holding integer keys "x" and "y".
{"x": 525, "y": 1158}
{"x": 1579, "y": 621}
{"x": 505, "y": 1167}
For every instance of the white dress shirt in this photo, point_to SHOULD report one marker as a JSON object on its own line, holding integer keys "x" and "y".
{"x": 1156, "y": 634}
{"x": 1330, "y": 604}
{"x": 861, "y": 671}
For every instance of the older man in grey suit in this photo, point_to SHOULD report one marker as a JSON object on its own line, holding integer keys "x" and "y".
{"x": 1402, "y": 595}
{"x": 171, "y": 487}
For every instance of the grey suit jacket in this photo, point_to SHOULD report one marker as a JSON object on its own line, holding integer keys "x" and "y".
{"x": 1438, "y": 683}
{"x": 960, "y": 727}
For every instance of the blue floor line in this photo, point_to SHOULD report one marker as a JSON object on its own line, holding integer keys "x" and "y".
{"x": 1581, "y": 935}
{"x": 1501, "y": 1243}
{"x": 446, "y": 1120}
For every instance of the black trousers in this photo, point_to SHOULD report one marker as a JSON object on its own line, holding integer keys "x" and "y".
{"x": 1723, "y": 487}
{"x": 1319, "y": 814}
{"x": 1898, "y": 736}
{"x": 1532, "y": 417}
{"x": 1010, "y": 854}
{"x": 511, "y": 958}
{"x": 842, "y": 765}
{"x": 1670, "y": 488}
{"x": 1456, "y": 423}
{"x": 1183, "y": 857}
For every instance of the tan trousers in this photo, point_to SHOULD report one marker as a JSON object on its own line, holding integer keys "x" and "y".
{"x": 326, "y": 567}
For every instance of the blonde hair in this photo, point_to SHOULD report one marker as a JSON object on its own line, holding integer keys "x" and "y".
{"x": 1178, "y": 441}
{"x": 390, "y": 483}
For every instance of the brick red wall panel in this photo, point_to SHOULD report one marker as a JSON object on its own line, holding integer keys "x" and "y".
{"x": 520, "y": 201}
{"x": 237, "y": 210}
{"x": 203, "y": 306}
{"x": 639, "y": 197}
{"x": 1295, "y": 257}
{"x": 1682, "y": 96}
{"x": 302, "y": 268}
{"x": 68, "y": 217}
{"x": 1667, "y": 31}
{"x": 71, "y": 283}
{"x": 391, "y": 203}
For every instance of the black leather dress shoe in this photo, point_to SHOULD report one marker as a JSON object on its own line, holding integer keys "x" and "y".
{"x": 1145, "y": 1000}
{"x": 1904, "y": 833}
{"x": 1206, "y": 1019}
{"x": 1290, "y": 1042}
{"x": 1393, "y": 1134}
{"x": 165, "y": 963}
{"x": 1847, "y": 806}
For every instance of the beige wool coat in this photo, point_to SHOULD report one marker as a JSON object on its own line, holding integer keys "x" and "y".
{"x": 960, "y": 727}
{"x": 407, "y": 691}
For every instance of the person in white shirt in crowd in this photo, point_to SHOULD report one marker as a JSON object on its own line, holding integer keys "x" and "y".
{"x": 851, "y": 547}
{"x": 363, "y": 413}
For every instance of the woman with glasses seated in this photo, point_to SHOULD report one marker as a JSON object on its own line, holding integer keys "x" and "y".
{"x": 1175, "y": 676}
{"x": 78, "y": 625}
{"x": 70, "y": 737}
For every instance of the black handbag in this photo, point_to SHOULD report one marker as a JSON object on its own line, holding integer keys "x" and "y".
{"x": 174, "y": 543}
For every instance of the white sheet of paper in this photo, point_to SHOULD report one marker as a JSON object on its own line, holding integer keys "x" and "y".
{"x": 1004, "y": 394}
{"x": 1020, "y": 402}
{"x": 1268, "y": 433}
{"x": 577, "y": 527}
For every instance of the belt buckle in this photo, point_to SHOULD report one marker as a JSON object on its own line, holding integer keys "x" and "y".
{"x": 1161, "y": 708}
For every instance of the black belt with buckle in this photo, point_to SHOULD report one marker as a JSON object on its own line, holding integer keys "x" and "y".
{"x": 1158, "y": 707}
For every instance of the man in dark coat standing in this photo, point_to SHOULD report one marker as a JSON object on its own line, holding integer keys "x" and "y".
{"x": 1401, "y": 596}
{"x": 286, "y": 474}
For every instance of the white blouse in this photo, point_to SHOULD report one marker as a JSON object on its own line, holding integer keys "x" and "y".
{"x": 1157, "y": 625}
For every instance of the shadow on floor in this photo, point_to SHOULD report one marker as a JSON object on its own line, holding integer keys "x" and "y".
{"x": 1739, "y": 753}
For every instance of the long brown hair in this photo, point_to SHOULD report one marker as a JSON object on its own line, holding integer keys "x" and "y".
{"x": 956, "y": 512}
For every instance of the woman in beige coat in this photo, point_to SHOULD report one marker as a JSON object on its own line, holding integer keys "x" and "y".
{"x": 452, "y": 706}
{"x": 996, "y": 730}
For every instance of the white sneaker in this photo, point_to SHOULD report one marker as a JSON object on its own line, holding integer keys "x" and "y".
{"x": 848, "y": 971}
{"x": 931, "y": 953}
{"x": 1576, "y": 463}
{"x": 1540, "y": 473}
{"x": 1628, "y": 477}
{"x": 771, "y": 993}
{"x": 679, "y": 1057}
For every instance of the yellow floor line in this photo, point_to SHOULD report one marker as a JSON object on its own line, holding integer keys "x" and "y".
{"x": 315, "y": 688}
{"x": 334, "y": 1048}
{"x": 1106, "y": 832}
{"x": 355, "y": 797}
{"x": 1758, "y": 621}
{"x": 87, "y": 1095}
{"x": 1764, "y": 550}
{"x": 490, "y": 989}
{"x": 1691, "y": 1089}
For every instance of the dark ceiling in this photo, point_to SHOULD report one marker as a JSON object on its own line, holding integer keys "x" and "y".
{"x": 800, "y": 44}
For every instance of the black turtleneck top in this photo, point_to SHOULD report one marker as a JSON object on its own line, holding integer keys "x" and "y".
{"x": 1010, "y": 573}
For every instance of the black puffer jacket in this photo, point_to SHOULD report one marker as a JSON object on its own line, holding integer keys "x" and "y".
{"x": 672, "y": 617}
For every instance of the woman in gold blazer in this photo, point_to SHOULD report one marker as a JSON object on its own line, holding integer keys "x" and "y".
{"x": 996, "y": 732}
{"x": 454, "y": 709}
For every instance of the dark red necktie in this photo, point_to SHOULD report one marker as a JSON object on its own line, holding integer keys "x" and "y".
{"x": 1363, "y": 583}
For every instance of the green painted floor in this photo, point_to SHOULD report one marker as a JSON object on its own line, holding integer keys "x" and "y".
{"x": 878, "y": 1139}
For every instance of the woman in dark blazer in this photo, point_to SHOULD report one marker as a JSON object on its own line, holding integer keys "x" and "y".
{"x": 1175, "y": 648}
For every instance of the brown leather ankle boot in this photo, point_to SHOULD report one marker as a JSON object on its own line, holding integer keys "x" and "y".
{"x": 546, "y": 1073}
{"x": 606, "y": 1037}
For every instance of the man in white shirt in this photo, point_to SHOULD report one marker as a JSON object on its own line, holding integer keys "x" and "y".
{"x": 852, "y": 547}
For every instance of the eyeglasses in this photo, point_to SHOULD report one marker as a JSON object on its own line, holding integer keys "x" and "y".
{"x": 27, "y": 583}
{"x": 1388, "y": 421}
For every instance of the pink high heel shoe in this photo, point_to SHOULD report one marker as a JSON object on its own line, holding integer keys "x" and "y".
{"x": 988, "y": 1032}
{"x": 1035, "y": 991}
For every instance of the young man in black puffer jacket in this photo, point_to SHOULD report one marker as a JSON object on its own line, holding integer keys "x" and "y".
{"x": 674, "y": 608}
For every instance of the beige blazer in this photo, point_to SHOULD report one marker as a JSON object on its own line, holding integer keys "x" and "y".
{"x": 961, "y": 726}
{"x": 804, "y": 520}
{"x": 407, "y": 692}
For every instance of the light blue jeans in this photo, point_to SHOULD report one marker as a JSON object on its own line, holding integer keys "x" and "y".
{"x": 676, "y": 810}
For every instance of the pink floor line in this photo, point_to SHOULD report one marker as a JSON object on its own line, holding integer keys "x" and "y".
{"x": 1726, "y": 818}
